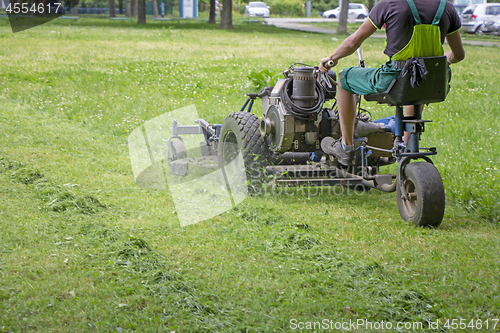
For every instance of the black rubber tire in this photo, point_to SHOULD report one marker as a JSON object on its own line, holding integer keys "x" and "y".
{"x": 332, "y": 16}
{"x": 178, "y": 150}
{"x": 426, "y": 202}
{"x": 479, "y": 30}
{"x": 361, "y": 16}
{"x": 240, "y": 131}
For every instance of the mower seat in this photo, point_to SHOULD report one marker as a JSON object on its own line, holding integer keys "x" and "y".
{"x": 432, "y": 89}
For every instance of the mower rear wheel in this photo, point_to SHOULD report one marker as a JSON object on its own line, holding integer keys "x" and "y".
{"x": 240, "y": 132}
{"x": 421, "y": 197}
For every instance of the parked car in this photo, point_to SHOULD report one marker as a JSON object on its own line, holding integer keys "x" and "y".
{"x": 256, "y": 8}
{"x": 492, "y": 26}
{"x": 360, "y": 11}
{"x": 473, "y": 17}
{"x": 460, "y": 8}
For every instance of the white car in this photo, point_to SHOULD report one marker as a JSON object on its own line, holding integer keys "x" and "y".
{"x": 492, "y": 26}
{"x": 473, "y": 17}
{"x": 360, "y": 11}
{"x": 255, "y": 8}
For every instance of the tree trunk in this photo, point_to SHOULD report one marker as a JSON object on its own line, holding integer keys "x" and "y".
{"x": 74, "y": 4}
{"x": 226, "y": 15}
{"x": 211, "y": 17}
{"x": 128, "y": 12}
{"x": 370, "y": 4}
{"x": 155, "y": 9}
{"x": 141, "y": 17}
{"x": 343, "y": 16}
{"x": 112, "y": 8}
{"x": 134, "y": 8}
{"x": 120, "y": 7}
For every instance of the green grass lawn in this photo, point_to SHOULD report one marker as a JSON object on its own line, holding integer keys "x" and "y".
{"x": 82, "y": 248}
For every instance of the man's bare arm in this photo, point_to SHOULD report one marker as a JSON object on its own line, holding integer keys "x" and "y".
{"x": 350, "y": 44}
{"x": 457, "y": 52}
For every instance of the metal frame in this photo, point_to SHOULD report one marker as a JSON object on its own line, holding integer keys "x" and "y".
{"x": 321, "y": 173}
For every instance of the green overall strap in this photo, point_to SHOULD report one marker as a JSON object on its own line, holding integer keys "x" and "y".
{"x": 439, "y": 13}
{"x": 416, "y": 15}
{"x": 414, "y": 11}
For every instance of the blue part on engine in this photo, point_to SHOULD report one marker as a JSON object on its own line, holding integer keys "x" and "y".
{"x": 389, "y": 122}
{"x": 316, "y": 157}
{"x": 217, "y": 128}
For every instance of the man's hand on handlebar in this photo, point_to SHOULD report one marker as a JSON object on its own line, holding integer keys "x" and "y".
{"x": 326, "y": 64}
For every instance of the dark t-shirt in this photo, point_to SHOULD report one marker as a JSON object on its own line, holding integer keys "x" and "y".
{"x": 397, "y": 17}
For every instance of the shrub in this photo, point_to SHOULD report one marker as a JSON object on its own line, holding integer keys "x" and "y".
{"x": 287, "y": 7}
{"x": 324, "y": 5}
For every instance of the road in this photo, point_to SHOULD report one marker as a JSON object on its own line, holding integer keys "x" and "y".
{"x": 301, "y": 24}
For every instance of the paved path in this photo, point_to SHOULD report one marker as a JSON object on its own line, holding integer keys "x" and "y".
{"x": 299, "y": 24}
{"x": 480, "y": 42}
{"x": 304, "y": 27}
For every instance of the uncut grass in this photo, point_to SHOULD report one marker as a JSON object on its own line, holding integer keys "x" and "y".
{"x": 65, "y": 118}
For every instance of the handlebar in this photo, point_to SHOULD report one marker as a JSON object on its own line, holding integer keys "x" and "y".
{"x": 361, "y": 62}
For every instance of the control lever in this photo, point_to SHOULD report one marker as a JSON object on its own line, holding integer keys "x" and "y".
{"x": 361, "y": 62}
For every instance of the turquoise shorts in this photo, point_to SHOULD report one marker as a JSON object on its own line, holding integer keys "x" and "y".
{"x": 363, "y": 81}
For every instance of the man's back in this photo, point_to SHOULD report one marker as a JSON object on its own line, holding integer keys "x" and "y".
{"x": 399, "y": 22}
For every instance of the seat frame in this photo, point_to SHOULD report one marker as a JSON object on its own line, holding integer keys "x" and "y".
{"x": 433, "y": 89}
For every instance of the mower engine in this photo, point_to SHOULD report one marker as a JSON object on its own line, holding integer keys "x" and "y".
{"x": 294, "y": 119}
{"x": 293, "y": 115}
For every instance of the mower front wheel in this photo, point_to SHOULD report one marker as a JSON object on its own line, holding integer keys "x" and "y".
{"x": 420, "y": 195}
{"x": 240, "y": 132}
{"x": 177, "y": 151}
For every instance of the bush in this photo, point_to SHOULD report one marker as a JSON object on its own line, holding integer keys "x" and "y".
{"x": 324, "y": 5}
{"x": 287, "y": 8}
{"x": 239, "y": 8}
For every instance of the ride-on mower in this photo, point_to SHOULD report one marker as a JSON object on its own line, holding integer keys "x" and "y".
{"x": 283, "y": 147}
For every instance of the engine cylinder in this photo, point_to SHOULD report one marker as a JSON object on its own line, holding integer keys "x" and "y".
{"x": 304, "y": 87}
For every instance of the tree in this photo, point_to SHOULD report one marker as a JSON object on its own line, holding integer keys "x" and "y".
{"x": 343, "y": 16}
{"x": 112, "y": 8}
{"x": 74, "y": 4}
{"x": 141, "y": 17}
{"x": 120, "y": 7}
{"x": 134, "y": 8}
{"x": 370, "y": 4}
{"x": 128, "y": 12}
{"x": 226, "y": 15}
{"x": 211, "y": 17}
{"x": 155, "y": 9}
